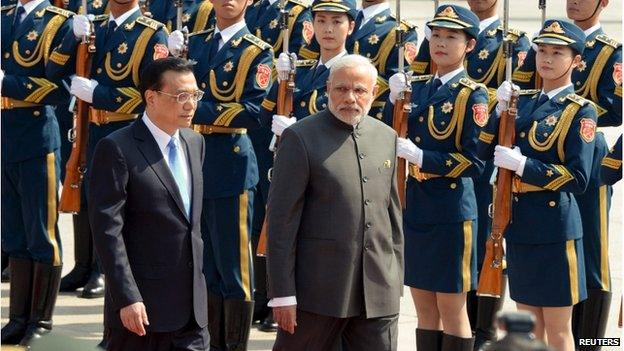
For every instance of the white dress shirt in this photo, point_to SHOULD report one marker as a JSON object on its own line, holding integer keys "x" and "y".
{"x": 486, "y": 23}
{"x": 28, "y": 8}
{"x": 373, "y": 11}
{"x": 445, "y": 78}
{"x": 551, "y": 94}
{"x": 121, "y": 19}
{"x": 162, "y": 139}
{"x": 228, "y": 33}
{"x": 592, "y": 29}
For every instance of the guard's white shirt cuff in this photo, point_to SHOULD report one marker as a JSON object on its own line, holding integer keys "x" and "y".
{"x": 520, "y": 169}
{"x": 282, "y": 301}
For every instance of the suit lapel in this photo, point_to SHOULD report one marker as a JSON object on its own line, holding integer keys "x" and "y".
{"x": 150, "y": 150}
{"x": 195, "y": 176}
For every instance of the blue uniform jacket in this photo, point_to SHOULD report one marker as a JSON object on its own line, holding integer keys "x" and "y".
{"x": 598, "y": 77}
{"x": 94, "y": 7}
{"x": 197, "y": 15}
{"x": 236, "y": 81}
{"x": 558, "y": 139}
{"x": 611, "y": 169}
{"x": 446, "y": 127}
{"x": 26, "y": 53}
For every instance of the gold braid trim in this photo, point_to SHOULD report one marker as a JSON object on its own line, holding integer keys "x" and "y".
{"x": 134, "y": 63}
{"x": 559, "y": 132}
{"x": 461, "y": 167}
{"x": 203, "y": 13}
{"x": 308, "y": 54}
{"x": 458, "y": 114}
{"x": 522, "y": 76}
{"x": 590, "y": 87}
{"x": 486, "y": 78}
{"x": 43, "y": 45}
{"x": 130, "y": 105}
{"x": 45, "y": 88}
{"x": 236, "y": 90}
{"x": 226, "y": 117}
{"x": 58, "y": 58}
{"x": 384, "y": 51}
{"x": 419, "y": 67}
{"x": 486, "y": 137}
{"x": 383, "y": 86}
{"x": 612, "y": 163}
{"x": 312, "y": 104}
{"x": 268, "y": 105}
{"x": 618, "y": 90}
{"x": 565, "y": 176}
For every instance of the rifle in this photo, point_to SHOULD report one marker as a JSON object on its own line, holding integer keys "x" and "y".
{"x": 76, "y": 166}
{"x": 491, "y": 278}
{"x": 542, "y": 7}
{"x": 402, "y": 106}
{"x": 179, "y": 13}
{"x": 285, "y": 92}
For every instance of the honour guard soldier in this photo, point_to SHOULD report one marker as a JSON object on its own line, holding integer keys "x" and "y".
{"x": 125, "y": 43}
{"x": 611, "y": 170}
{"x": 552, "y": 160}
{"x": 374, "y": 37}
{"x": 440, "y": 220}
{"x": 197, "y": 15}
{"x": 234, "y": 68}
{"x": 30, "y": 164}
{"x": 85, "y": 272}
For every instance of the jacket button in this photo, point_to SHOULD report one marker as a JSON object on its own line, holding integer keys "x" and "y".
{"x": 98, "y": 71}
{"x": 453, "y": 185}
{"x": 361, "y": 156}
{"x": 190, "y": 264}
{"x": 417, "y": 139}
{"x": 236, "y": 149}
{"x": 367, "y": 202}
{"x": 522, "y": 134}
{"x": 368, "y": 225}
{"x": 365, "y": 179}
{"x": 36, "y": 113}
{"x": 7, "y": 55}
{"x": 552, "y": 204}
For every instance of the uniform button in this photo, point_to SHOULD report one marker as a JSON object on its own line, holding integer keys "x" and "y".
{"x": 203, "y": 85}
{"x": 453, "y": 185}
{"x": 7, "y": 55}
{"x": 479, "y": 70}
{"x": 27, "y": 52}
{"x": 190, "y": 264}
{"x": 367, "y": 247}
{"x": 236, "y": 149}
{"x": 421, "y": 119}
{"x": 368, "y": 225}
{"x": 515, "y": 198}
{"x": 98, "y": 71}
{"x": 367, "y": 202}
{"x": 36, "y": 113}
{"x": 225, "y": 84}
{"x": 417, "y": 139}
{"x": 118, "y": 64}
{"x": 578, "y": 84}
{"x": 361, "y": 155}
{"x": 522, "y": 134}
{"x": 302, "y": 104}
{"x": 379, "y": 115}
{"x": 552, "y": 204}
{"x": 365, "y": 179}
{"x": 324, "y": 105}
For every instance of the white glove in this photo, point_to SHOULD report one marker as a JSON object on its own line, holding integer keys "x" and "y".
{"x": 427, "y": 32}
{"x": 397, "y": 85}
{"x": 283, "y": 66}
{"x": 280, "y": 123}
{"x": 82, "y": 26}
{"x": 1, "y": 78}
{"x": 511, "y": 159}
{"x": 408, "y": 150}
{"x": 83, "y": 88}
{"x": 503, "y": 95}
{"x": 175, "y": 42}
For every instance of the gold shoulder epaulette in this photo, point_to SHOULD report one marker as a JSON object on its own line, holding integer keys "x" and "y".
{"x": 528, "y": 92}
{"x": 513, "y": 31}
{"x": 421, "y": 78}
{"x": 7, "y": 7}
{"x": 205, "y": 31}
{"x": 60, "y": 11}
{"x": 605, "y": 39}
{"x": 306, "y": 63}
{"x": 577, "y": 99}
{"x": 256, "y": 41}
{"x": 99, "y": 18}
{"x": 148, "y": 22}
{"x": 408, "y": 24}
{"x": 303, "y": 3}
{"x": 469, "y": 83}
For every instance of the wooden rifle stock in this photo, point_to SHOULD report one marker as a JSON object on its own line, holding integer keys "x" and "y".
{"x": 285, "y": 92}
{"x": 399, "y": 124}
{"x": 79, "y": 135}
{"x": 491, "y": 278}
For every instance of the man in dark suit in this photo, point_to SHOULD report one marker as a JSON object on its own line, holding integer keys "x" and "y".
{"x": 145, "y": 193}
{"x": 335, "y": 250}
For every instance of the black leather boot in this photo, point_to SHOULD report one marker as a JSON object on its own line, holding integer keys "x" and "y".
{"x": 455, "y": 343}
{"x": 215, "y": 322}
{"x": 45, "y": 288}
{"x": 428, "y": 340}
{"x": 472, "y": 303}
{"x": 238, "y": 315}
{"x": 268, "y": 325}
{"x": 19, "y": 304}
{"x": 95, "y": 286}
{"x": 593, "y": 321}
{"x": 83, "y": 254}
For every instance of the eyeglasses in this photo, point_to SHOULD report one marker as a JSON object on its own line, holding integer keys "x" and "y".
{"x": 184, "y": 97}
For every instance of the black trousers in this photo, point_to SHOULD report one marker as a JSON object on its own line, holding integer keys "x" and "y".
{"x": 316, "y": 332}
{"x": 190, "y": 338}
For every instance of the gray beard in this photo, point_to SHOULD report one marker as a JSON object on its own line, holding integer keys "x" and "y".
{"x": 348, "y": 120}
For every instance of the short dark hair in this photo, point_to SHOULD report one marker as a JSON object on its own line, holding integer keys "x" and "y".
{"x": 151, "y": 77}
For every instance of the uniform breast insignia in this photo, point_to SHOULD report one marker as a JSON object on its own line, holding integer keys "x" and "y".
{"x": 273, "y": 24}
{"x": 160, "y": 51}
{"x": 480, "y": 114}
{"x": 122, "y": 48}
{"x": 447, "y": 107}
{"x": 96, "y": 4}
{"x": 228, "y": 66}
{"x": 32, "y": 35}
{"x": 263, "y": 75}
{"x": 186, "y": 17}
{"x": 484, "y": 54}
{"x": 588, "y": 129}
{"x": 307, "y": 31}
{"x": 373, "y": 39}
{"x": 582, "y": 66}
{"x": 551, "y": 120}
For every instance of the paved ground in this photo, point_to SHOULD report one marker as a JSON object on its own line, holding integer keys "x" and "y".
{"x": 81, "y": 318}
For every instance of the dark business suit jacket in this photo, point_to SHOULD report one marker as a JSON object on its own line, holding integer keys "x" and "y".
{"x": 335, "y": 233}
{"x": 150, "y": 251}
